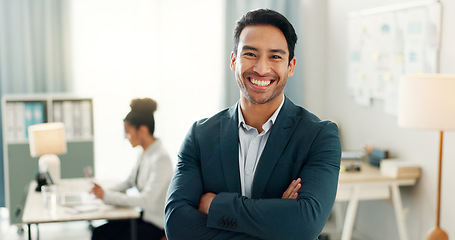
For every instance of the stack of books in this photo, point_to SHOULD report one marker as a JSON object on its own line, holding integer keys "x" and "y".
{"x": 399, "y": 169}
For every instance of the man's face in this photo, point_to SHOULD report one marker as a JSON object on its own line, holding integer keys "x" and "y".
{"x": 261, "y": 64}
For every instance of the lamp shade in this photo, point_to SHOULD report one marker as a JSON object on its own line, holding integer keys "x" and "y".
{"x": 47, "y": 138}
{"x": 427, "y": 101}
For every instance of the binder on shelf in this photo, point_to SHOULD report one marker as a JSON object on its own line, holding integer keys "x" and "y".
{"x": 68, "y": 118}
{"x": 10, "y": 121}
{"x": 38, "y": 113}
{"x": 77, "y": 119}
{"x": 86, "y": 120}
{"x": 28, "y": 116}
{"x": 77, "y": 116}
{"x": 20, "y": 121}
{"x": 57, "y": 107}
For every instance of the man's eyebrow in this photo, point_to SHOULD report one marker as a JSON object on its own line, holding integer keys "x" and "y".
{"x": 246, "y": 47}
{"x": 277, "y": 51}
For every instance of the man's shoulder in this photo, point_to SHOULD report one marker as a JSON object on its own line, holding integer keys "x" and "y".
{"x": 227, "y": 113}
{"x": 210, "y": 128}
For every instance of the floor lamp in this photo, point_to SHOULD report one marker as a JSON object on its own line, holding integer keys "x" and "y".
{"x": 427, "y": 101}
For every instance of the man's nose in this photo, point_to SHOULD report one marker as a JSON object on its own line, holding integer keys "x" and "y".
{"x": 261, "y": 66}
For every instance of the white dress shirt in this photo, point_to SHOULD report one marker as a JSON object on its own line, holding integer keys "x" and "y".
{"x": 251, "y": 145}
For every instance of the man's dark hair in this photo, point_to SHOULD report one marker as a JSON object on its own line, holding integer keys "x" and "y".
{"x": 267, "y": 17}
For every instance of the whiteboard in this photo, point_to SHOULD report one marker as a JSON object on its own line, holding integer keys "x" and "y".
{"x": 387, "y": 42}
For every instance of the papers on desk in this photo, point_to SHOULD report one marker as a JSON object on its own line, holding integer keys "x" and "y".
{"x": 399, "y": 169}
{"x": 79, "y": 202}
{"x": 83, "y": 208}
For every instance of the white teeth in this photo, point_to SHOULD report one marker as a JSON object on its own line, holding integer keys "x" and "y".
{"x": 260, "y": 82}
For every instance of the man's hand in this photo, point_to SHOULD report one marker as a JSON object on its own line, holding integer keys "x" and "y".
{"x": 98, "y": 191}
{"x": 204, "y": 203}
{"x": 293, "y": 190}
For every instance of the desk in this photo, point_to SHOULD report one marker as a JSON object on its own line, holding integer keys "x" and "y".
{"x": 369, "y": 184}
{"x": 34, "y": 210}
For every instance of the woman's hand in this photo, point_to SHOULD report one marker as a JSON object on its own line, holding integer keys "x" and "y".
{"x": 98, "y": 191}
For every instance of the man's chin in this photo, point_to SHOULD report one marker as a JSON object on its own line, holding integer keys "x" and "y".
{"x": 258, "y": 101}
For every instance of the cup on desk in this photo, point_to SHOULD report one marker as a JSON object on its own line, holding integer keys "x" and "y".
{"x": 49, "y": 193}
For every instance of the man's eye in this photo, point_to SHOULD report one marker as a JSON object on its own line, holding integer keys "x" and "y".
{"x": 276, "y": 57}
{"x": 249, "y": 54}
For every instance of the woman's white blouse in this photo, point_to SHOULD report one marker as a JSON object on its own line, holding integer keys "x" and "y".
{"x": 153, "y": 178}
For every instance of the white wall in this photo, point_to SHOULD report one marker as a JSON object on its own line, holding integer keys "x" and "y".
{"x": 169, "y": 50}
{"x": 314, "y": 44}
{"x": 370, "y": 125}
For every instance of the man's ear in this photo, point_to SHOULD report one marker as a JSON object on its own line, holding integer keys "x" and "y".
{"x": 291, "y": 67}
{"x": 233, "y": 58}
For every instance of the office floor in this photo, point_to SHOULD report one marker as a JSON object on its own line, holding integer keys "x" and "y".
{"x": 49, "y": 231}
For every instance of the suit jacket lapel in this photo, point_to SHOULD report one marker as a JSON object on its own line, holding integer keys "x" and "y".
{"x": 279, "y": 136}
{"x": 229, "y": 145}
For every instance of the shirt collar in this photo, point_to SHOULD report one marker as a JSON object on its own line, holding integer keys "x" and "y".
{"x": 265, "y": 126}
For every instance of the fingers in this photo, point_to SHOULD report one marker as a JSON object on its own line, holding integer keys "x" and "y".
{"x": 97, "y": 190}
{"x": 95, "y": 187}
{"x": 293, "y": 189}
{"x": 295, "y": 192}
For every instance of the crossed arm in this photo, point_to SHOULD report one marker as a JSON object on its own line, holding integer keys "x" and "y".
{"x": 300, "y": 213}
{"x": 291, "y": 193}
{"x": 231, "y": 216}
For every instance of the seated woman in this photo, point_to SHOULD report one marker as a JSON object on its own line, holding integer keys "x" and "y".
{"x": 151, "y": 176}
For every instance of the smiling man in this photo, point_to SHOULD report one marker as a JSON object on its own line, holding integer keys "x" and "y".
{"x": 264, "y": 168}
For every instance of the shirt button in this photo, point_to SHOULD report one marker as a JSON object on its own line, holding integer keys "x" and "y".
{"x": 254, "y": 141}
{"x": 248, "y": 172}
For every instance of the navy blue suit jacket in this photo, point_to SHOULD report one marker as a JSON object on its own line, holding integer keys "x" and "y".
{"x": 299, "y": 145}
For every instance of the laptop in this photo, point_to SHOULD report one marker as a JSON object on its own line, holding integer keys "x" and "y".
{"x": 71, "y": 199}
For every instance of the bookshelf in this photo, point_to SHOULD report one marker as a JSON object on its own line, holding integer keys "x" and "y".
{"x": 19, "y": 167}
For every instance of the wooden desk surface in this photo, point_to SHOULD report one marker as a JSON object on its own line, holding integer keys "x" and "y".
{"x": 369, "y": 173}
{"x": 34, "y": 209}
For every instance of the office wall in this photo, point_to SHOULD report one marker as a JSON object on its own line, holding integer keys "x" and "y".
{"x": 171, "y": 51}
{"x": 314, "y": 44}
{"x": 370, "y": 125}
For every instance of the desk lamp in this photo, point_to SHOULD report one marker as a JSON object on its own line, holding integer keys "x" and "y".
{"x": 427, "y": 101}
{"x": 46, "y": 141}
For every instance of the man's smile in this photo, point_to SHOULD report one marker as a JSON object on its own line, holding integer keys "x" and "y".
{"x": 260, "y": 82}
